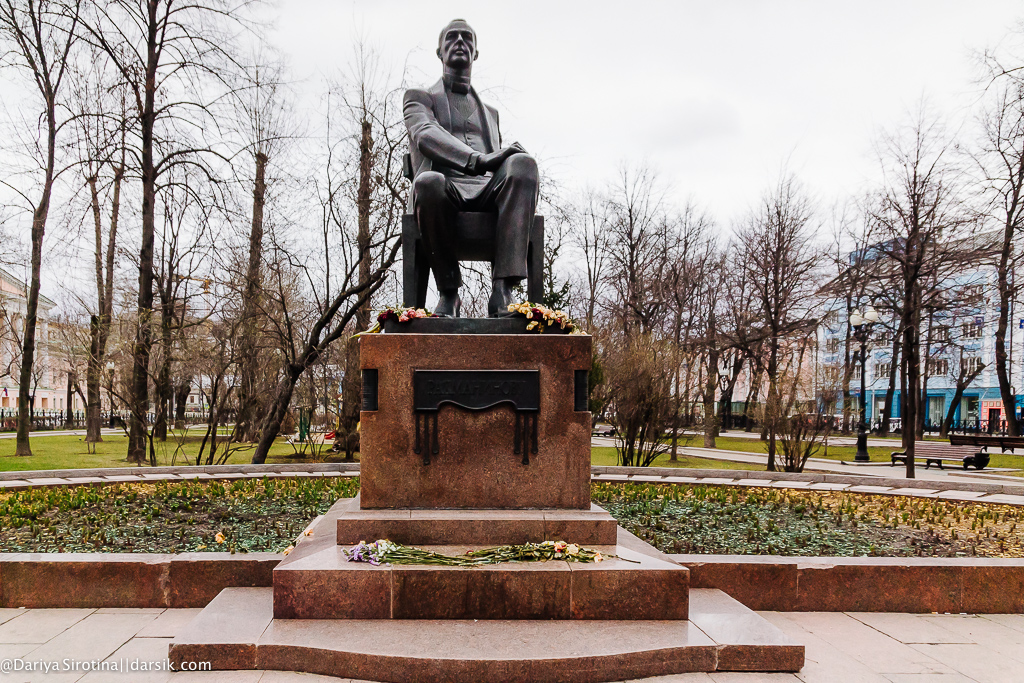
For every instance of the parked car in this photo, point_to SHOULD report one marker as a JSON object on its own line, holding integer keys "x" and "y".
{"x": 603, "y": 430}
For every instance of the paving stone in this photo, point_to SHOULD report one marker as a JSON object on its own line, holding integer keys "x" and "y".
{"x": 47, "y": 481}
{"x": 1003, "y": 498}
{"x": 716, "y": 480}
{"x": 95, "y": 637}
{"x": 924, "y": 493}
{"x": 135, "y": 656}
{"x": 1012, "y": 621}
{"x": 960, "y": 495}
{"x": 980, "y": 630}
{"x": 824, "y": 662}
{"x": 130, "y": 610}
{"x": 785, "y": 484}
{"x": 754, "y": 482}
{"x": 293, "y": 677}
{"x": 909, "y": 628}
{"x": 674, "y": 478}
{"x": 870, "y": 489}
{"x": 39, "y": 626}
{"x": 121, "y": 477}
{"x": 827, "y": 486}
{"x": 876, "y": 651}
{"x": 928, "y": 678}
{"x": 8, "y": 613}
{"x": 222, "y": 677}
{"x": 13, "y": 483}
{"x": 645, "y": 477}
{"x": 170, "y": 623}
{"x": 752, "y": 677}
{"x": 976, "y": 662}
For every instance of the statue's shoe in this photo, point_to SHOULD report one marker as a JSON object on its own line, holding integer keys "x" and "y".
{"x": 501, "y": 297}
{"x": 449, "y": 305}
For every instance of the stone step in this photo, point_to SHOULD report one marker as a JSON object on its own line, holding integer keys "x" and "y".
{"x": 475, "y": 527}
{"x": 722, "y": 635}
{"x": 323, "y": 584}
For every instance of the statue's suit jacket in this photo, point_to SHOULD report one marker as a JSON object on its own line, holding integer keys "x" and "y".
{"x": 432, "y": 146}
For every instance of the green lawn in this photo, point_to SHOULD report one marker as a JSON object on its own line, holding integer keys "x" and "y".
{"x": 606, "y": 456}
{"x": 878, "y": 454}
{"x": 70, "y": 452}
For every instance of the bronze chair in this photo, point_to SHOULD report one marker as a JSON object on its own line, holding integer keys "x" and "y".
{"x": 475, "y": 239}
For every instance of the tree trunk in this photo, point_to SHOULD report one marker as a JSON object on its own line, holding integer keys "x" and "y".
{"x": 99, "y": 326}
{"x": 180, "y": 400}
{"x": 890, "y": 392}
{"x": 275, "y": 414}
{"x": 246, "y": 424}
{"x": 772, "y": 408}
{"x": 911, "y": 353}
{"x": 352, "y": 384}
{"x": 711, "y": 385}
{"x": 137, "y": 436}
{"x": 28, "y": 348}
{"x": 1005, "y": 296}
{"x": 92, "y": 384}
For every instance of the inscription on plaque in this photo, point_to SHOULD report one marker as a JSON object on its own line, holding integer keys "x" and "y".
{"x": 476, "y": 390}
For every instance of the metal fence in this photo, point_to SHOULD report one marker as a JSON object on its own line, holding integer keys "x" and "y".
{"x": 43, "y": 420}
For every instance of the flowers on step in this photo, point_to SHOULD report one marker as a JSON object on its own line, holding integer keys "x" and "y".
{"x": 398, "y": 313}
{"x": 541, "y": 317}
{"x": 386, "y": 552}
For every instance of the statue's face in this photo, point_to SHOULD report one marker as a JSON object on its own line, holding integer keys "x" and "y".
{"x": 458, "y": 47}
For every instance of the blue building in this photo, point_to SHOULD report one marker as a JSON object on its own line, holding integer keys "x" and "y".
{"x": 955, "y": 340}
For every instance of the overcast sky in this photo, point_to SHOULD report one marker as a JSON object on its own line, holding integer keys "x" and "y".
{"x": 718, "y": 96}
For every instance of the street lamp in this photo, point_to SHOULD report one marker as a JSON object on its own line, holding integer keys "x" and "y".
{"x": 861, "y": 323}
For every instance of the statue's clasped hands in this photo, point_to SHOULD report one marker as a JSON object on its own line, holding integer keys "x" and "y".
{"x": 489, "y": 163}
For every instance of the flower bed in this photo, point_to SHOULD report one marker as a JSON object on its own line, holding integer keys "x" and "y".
{"x": 768, "y": 521}
{"x": 266, "y": 515}
{"x": 248, "y": 515}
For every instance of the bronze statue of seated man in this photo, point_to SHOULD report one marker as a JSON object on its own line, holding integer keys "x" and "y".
{"x": 459, "y": 164}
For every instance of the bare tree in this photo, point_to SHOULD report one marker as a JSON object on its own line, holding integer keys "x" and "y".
{"x": 40, "y": 35}
{"x": 1001, "y": 164}
{"x": 174, "y": 60}
{"x": 356, "y": 186}
{"x": 920, "y": 222}
{"x": 782, "y": 262}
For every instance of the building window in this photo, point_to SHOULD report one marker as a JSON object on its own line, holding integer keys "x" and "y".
{"x": 940, "y": 333}
{"x": 855, "y": 373}
{"x": 972, "y": 364}
{"x": 971, "y": 330}
{"x": 973, "y": 294}
{"x": 938, "y": 367}
{"x": 884, "y": 338}
{"x": 832, "y": 345}
{"x": 831, "y": 374}
{"x": 882, "y": 370}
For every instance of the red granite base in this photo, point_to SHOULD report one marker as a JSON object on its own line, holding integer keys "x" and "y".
{"x": 475, "y": 527}
{"x": 629, "y": 585}
{"x": 238, "y": 631}
{"x": 476, "y": 464}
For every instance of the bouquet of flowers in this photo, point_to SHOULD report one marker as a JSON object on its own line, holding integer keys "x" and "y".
{"x": 385, "y": 552}
{"x": 398, "y": 313}
{"x": 542, "y": 317}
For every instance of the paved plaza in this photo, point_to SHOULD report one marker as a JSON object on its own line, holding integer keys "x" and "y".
{"x": 841, "y": 647}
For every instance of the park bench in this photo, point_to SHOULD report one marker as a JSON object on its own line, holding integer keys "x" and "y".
{"x": 938, "y": 452}
{"x": 986, "y": 441}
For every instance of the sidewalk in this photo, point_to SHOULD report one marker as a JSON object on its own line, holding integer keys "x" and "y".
{"x": 877, "y": 469}
{"x": 840, "y": 647}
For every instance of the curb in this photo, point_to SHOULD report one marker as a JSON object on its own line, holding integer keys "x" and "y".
{"x": 863, "y": 584}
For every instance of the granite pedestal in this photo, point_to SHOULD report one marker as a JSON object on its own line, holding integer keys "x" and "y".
{"x": 470, "y": 441}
